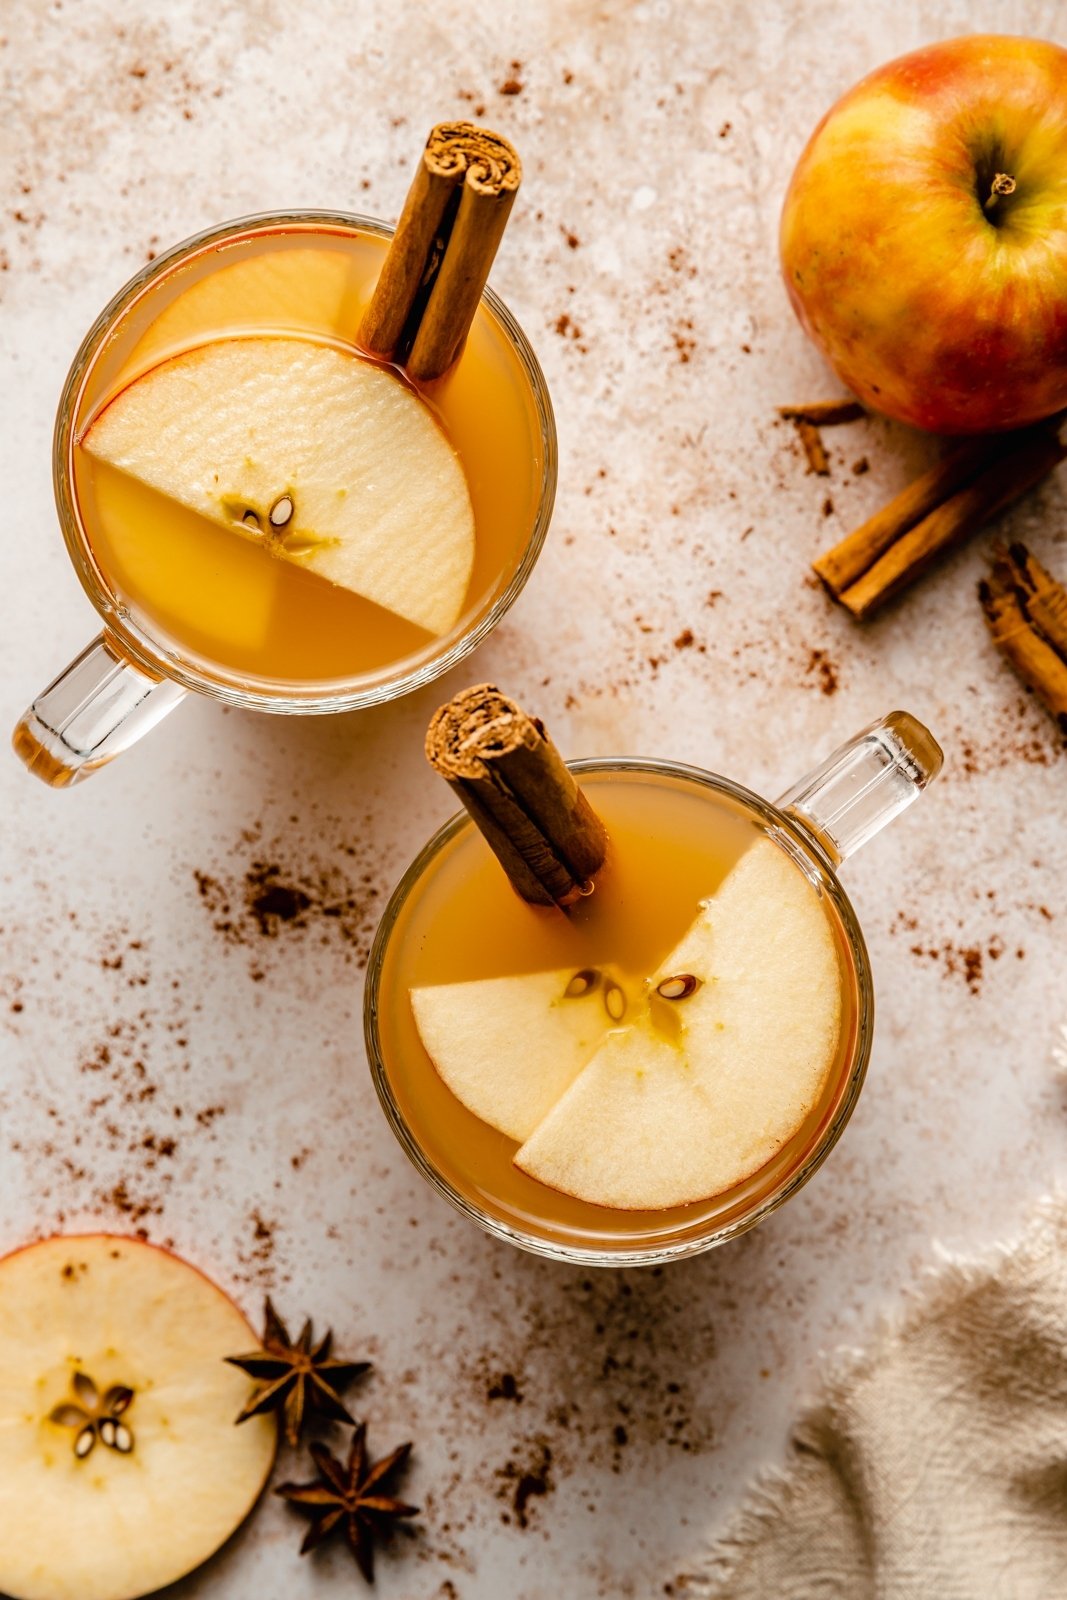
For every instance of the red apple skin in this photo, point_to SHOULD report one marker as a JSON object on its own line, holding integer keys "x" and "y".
{"x": 928, "y": 308}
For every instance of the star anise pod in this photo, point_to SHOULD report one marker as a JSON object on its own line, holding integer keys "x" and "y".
{"x": 348, "y": 1499}
{"x": 296, "y": 1378}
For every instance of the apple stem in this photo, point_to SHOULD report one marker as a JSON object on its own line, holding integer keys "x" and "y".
{"x": 1003, "y": 184}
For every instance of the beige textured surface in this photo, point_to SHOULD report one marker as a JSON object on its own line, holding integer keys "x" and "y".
{"x": 671, "y": 613}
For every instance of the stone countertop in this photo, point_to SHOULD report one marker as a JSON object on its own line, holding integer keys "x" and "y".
{"x": 176, "y": 1060}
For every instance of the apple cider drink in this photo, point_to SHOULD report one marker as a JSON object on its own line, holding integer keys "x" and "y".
{"x": 651, "y": 1060}
{"x": 286, "y": 490}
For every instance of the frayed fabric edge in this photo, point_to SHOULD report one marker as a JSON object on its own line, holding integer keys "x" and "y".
{"x": 766, "y": 1498}
{"x": 939, "y": 1288}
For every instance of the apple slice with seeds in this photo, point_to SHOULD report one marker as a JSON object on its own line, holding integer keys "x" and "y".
{"x": 120, "y": 1466}
{"x": 509, "y": 1047}
{"x": 720, "y": 1068}
{"x": 323, "y": 458}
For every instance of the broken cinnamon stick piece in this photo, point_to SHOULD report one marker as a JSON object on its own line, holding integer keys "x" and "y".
{"x": 513, "y": 781}
{"x": 1031, "y": 458}
{"x": 814, "y": 449}
{"x": 1033, "y": 658}
{"x": 1044, "y": 598}
{"x": 439, "y": 259}
{"x": 823, "y": 413}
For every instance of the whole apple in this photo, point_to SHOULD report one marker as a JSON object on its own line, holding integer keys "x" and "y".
{"x": 924, "y": 235}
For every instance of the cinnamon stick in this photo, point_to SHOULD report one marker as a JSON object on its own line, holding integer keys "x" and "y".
{"x": 513, "y": 781}
{"x": 823, "y": 413}
{"x": 1045, "y": 600}
{"x": 848, "y": 560}
{"x": 1033, "y": 657}
{"x": 439, "y": 259}
{"x": 1030, "y": 458}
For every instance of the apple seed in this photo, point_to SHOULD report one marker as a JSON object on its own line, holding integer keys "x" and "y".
{"x": 679, "y": 987}
{"x": 614, "y": 1001}
{"x": 582, "y": 983}
{"x": 281, "y": 511}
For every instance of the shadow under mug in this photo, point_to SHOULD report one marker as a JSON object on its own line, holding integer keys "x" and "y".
{"x": 833, "y": 811}
{"x": 127, "y": 679}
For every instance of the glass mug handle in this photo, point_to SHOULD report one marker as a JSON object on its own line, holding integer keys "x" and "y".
{"x": 864, "y": 784}
{"x": 95, "y": 709}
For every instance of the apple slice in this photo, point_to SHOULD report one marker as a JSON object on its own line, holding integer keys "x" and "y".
{"x": 120, "y": 1465}
{"x": 293, "y": 289}
{"x": 703, "y": 1089}
{"x": 508, "y": 1048}
{"x": 325, "y": 459}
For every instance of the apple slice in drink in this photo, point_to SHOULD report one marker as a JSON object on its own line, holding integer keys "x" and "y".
{"x": 508, "y": 1048}
{"x": 703, "y": 1089}
{"x": 320, "y": 456}
{"x": 298, "y": 289}
{"x": 120, "y": 1465}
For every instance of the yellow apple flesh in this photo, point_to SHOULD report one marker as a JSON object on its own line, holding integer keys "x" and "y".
{"x": 88, "y": 1512}
{"x": 934, "y": 303}
{"x": 320, "y": 457}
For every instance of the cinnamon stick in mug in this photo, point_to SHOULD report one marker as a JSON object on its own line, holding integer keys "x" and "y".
{"x": 513, "y": 781}
{"x": 439, "y": 260}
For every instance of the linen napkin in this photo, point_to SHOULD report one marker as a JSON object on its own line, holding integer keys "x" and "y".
{"x": 935, "y": 1466}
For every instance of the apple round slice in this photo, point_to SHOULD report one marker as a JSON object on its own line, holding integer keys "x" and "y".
{"x": 700, "y": 1092}
{"x": 508, "y": 1048}
{"x": 317, "y": 454}
{"x": 120, "y": 1466}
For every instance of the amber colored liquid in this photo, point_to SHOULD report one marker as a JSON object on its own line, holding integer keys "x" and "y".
{"x": 216, "y": 599}
{"x": 673, "y": 840}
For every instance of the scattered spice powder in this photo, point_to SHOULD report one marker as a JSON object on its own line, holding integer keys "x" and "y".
{"x": 271, "y": 902}
{"x": 523, "y": 1481}
{"x": 566, "y": 327}
{"x": 684, "y": 343}
{"x": 823, "y": 670}
{"x": 505, "y": 1388}
{"x": 957, "y": 960}
{"x": 1015, "y": 732}
{"x": 267, "y": 902}
{"x": 120, "y": 1200}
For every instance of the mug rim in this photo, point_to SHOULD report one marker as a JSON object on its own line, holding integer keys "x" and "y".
{"x": 138, "y": 644}
{"x": 808, "y": 853}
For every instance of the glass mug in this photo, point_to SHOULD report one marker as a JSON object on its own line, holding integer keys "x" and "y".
{"x": 820, "y": 821}
{"x": 133, "y": 673}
